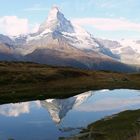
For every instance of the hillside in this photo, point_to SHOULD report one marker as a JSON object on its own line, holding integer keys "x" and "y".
{"x": 116, "y": 127}
{"x": 20, "y": 81}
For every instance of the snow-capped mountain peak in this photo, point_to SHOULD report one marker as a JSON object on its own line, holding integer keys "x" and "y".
{"x": 61, "y": 42}
{"x": 58, "y": 27}
{"x": 56, "y": 22}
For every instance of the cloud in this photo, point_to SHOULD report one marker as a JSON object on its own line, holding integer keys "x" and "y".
{"x": 109, "y": 24}
{"x": 14, "y": 110}
{"x": 34, "y": 28}
{"x": 12, "y": 25}
{"x": 36, "y": 7}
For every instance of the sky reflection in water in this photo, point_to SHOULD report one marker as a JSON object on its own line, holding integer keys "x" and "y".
{"x": 54, "y": 118}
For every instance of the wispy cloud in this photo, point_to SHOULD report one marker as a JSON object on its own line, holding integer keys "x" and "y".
{"x": 108, "y": 104}
{"x": 36, "y": 7}
{"x": 14, "y": 110}
{"x": 111, "y": 3}
{"x": 109, "y": 24}
{"x": 13, "y": 25}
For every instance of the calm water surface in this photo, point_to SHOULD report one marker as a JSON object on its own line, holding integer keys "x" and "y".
{"x": 53, "y": 118}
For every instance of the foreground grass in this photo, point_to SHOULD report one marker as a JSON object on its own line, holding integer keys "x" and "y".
{"x": 29, "y": 81}
{"x": 123, "y": 126}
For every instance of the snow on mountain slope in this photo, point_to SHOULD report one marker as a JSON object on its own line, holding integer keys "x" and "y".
{"x": 60, "y": 42}
{"x": 57, "y": 26}
{"x": 130, "y": 51}
{"x": 134, "y": 44}
{"x": 6, "y": 40}
{"x": 127, "y": 51}
{"x": 6, "y": 52}
{"x": 56, "y": 21}
{"x": 6, "y": 48}
{"x": 112, "y": 45}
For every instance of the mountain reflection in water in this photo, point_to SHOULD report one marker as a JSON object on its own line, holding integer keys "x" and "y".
{"x": 33, "y": 120}
{"x": 58, "y": 108}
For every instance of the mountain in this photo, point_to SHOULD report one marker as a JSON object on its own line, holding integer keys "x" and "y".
{"x": 130, "y": 51}
{"x": 126, "y": 51}
{"x": 62, "y": 43}
{"x": 58, "y": 108}
{"x": 6, "y": 48}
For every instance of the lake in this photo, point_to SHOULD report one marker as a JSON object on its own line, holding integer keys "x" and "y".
{"x": 51, "y": 119}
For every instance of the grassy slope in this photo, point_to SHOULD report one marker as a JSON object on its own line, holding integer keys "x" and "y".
{"x": 28, "y": 81}
{"x": 124, "y": 126}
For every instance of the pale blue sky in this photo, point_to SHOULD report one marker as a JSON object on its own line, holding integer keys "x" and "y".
{"x": 122, "y": 11}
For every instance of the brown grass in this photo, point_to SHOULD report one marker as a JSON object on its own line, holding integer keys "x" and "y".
{"x": 28, "y": 81}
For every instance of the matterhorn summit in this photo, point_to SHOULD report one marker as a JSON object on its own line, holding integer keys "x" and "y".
{"x": 56, "y": 22}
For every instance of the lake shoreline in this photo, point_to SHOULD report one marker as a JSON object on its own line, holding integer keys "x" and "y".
{"x": 21, "y": 81}
{"x": 115, "y": 127}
